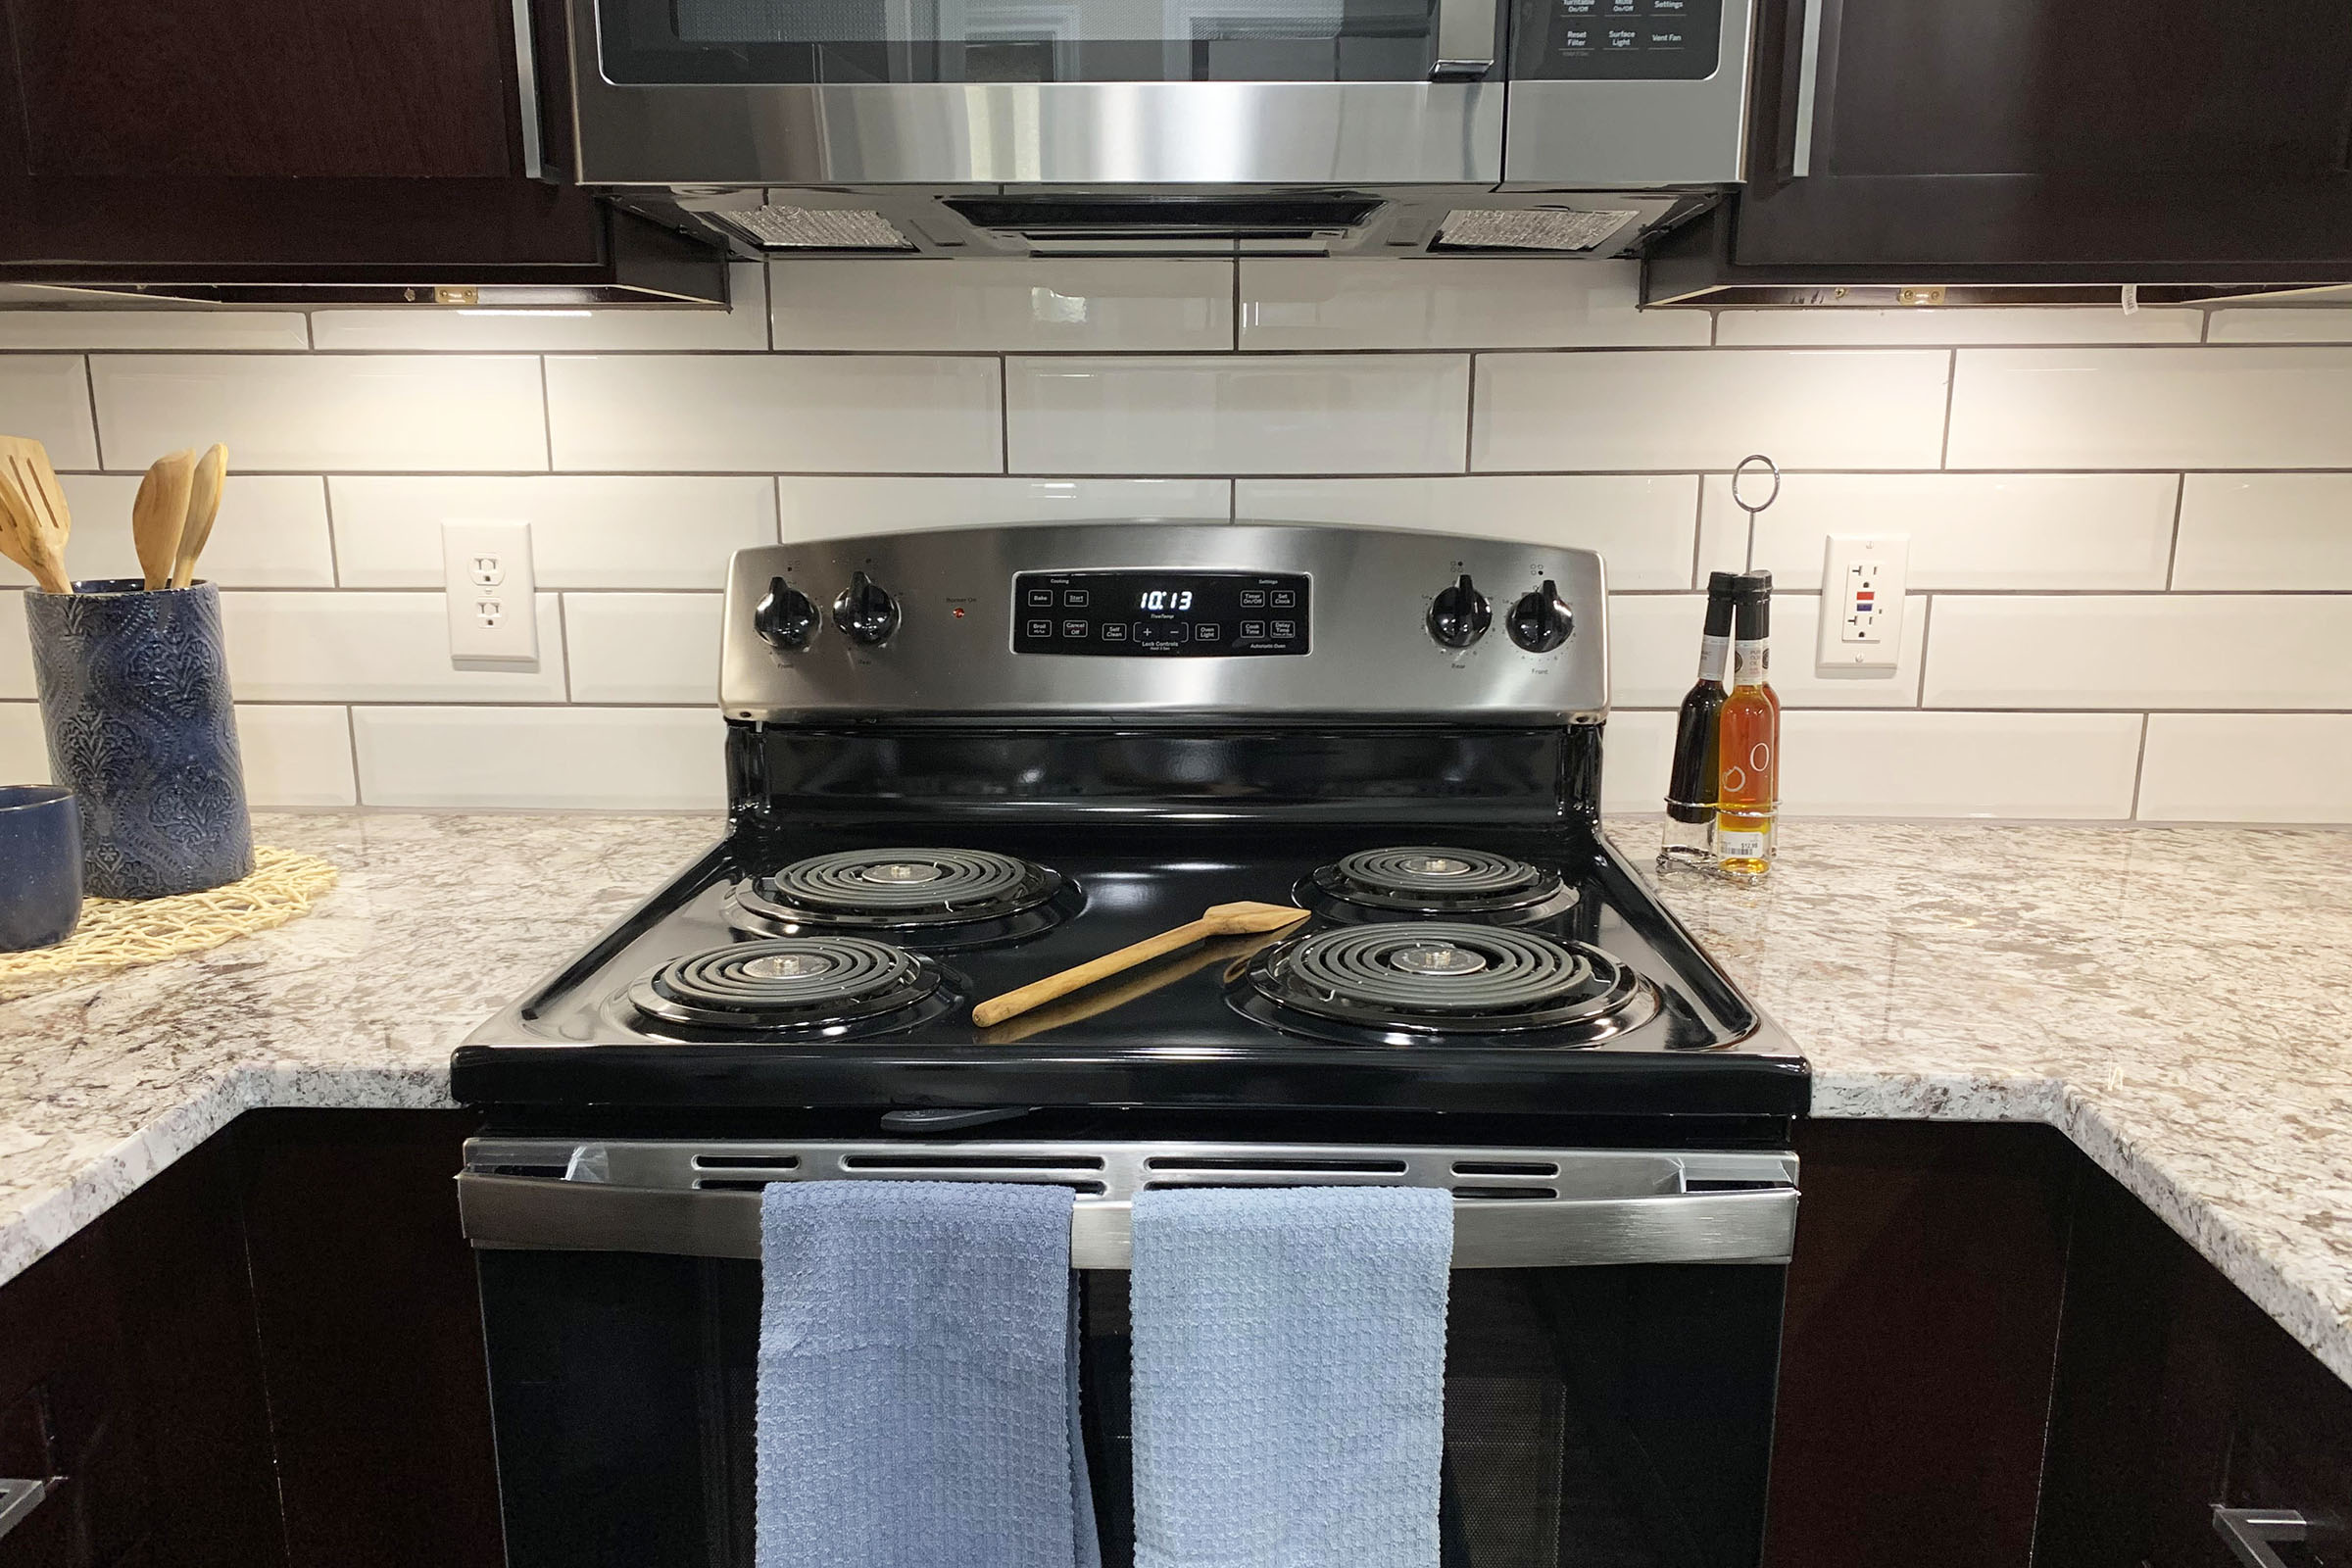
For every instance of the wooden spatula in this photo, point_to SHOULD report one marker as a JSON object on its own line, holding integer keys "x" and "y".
{"x": 1222, "y": 920}
{"x": 204, "y": 504}
{"x": 37, "y": 509}
{"x": 159, "y": 511}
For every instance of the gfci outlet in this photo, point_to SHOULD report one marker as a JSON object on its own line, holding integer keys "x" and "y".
{"x": 1862, "y": 603}
{"x": 486, "y": 568}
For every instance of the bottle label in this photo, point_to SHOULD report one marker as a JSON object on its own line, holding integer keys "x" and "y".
{"x": 1739, "y": 846}
{"x": 1751, "y": 663}
{"x": 1714, "y": 656}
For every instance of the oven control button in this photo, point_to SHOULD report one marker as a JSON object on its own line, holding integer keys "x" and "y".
{"x": 1458, "y": 615}
{"x": 1540, "y": 621}
{"x": 1160, "y": 634}
{"x": 865, "y": 613}
{"x": 784, "y": 618}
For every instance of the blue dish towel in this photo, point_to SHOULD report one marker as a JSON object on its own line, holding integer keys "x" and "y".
{"x": 917, "y": 1396}
{"x": 1290, "y": 1376}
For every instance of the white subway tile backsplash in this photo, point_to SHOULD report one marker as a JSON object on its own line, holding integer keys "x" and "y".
{"x": 2265, "y": 530}
{"x": 1617, "y": 410}
{"x": 1966, "y": 530}
{"x": 835, "y": 507}
{"x": 1636, "y": 751}
{"x": 643, "y": 648}
{"x": 2247, "y": 768}
{"x": 295, "y": 755}
{"x": 158, "y": 328}
{"x": 587, "y": 531}
{"x": 16, "y": 648}
{"x": 405, "y": 412}
{"x": 1653, "y": 653}
{"x": 755, "y": 413}
{"x": 24, "y": 748}
{"x": 2247, "y": 651}
{"x": 2282, "y": 324}
{"x": 1290, "y": 414}
{"x": 47, "y": 396}
{"x": 582, "y": 759}
{"x": 741, "y": 326}
{"x": 2197, "y": 408}
{"x": 1934, "y": 325}
{"x": 1640, "y": 524}
{"x": 372, "y": 646}
{"x": 2029, "y": 765}
{"x": 1482, "y": 303}
{"x": 1016, "y": 306}
{"x": 270, "y": 533}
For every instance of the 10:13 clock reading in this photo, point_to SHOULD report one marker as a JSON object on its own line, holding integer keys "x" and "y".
{"x": 1164, "y": 599}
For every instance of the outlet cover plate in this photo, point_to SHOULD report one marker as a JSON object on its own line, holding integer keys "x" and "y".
{"x": 1863, "y": 599}
{"x": 493, "y": 603}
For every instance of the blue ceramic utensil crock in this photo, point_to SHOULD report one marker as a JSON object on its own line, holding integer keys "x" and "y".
{"x": 134, "y": 697}
{"x": 40, "y": 866}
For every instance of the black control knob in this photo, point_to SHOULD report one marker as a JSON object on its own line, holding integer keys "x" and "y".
{"x": 1458, "y": 615}
{"x": 785, "y": 616}
{"x": 865, "y": 613}
{"x": 1541, "y": 621}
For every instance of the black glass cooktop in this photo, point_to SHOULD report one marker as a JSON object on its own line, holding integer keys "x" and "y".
{"x": 1635, "y": 1020}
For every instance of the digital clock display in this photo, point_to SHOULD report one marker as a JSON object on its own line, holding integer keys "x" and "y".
{"x": 1164, "y": 599}
{"x": 1160, "y": 614}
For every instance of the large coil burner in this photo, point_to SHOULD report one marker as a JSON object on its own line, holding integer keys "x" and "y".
{"x": 1443, "y": 982}
{"x": 828, "y": 987}
{"x": 1435, "y": 881}
{"x": 926, "y": 898}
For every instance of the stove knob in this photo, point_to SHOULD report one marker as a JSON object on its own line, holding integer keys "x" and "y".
{"x": 1458, "y": 615}
{"x": 785, "y": 617}
{"x": 1540, "y": 621}
{"x": 865, "y": 613}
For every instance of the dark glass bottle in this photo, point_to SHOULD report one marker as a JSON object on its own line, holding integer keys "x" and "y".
{"x": 1690, "y": 836}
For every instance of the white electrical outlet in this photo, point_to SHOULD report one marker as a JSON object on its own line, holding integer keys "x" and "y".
{"x": 1862, "y": 601}
{"x": 493, "y": 616}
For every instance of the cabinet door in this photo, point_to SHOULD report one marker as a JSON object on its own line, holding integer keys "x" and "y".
{"x": 2155, "y": 138}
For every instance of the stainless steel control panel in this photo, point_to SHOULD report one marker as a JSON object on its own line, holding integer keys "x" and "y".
{"x": 1127, "y": 622}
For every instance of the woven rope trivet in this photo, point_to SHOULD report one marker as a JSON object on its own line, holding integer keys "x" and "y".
{"x": 115, "y": 933}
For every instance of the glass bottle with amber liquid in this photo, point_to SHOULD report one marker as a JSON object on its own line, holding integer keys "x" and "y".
{"x": 1748, "y": 796}
{"x": 1689, "y": 839}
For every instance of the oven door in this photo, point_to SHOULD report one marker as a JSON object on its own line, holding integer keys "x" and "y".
{"x": 1051, "y": 92}
{"x": 1612, "y": 1337}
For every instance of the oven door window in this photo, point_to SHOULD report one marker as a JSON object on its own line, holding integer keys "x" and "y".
{"x": 1594, "y": 1417}
{"x": 795, "y": 42}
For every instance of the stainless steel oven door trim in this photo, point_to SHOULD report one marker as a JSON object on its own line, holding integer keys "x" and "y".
{"x": 1576, "y": 1208}
{"x": 1123, "y": 135}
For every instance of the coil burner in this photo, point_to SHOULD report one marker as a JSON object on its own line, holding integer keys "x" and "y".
{"x": 926, "y": 898}
{"x": 1430, "y": 880}
{"x": 1430, "y": 982}
{"x": 827, "y": 985}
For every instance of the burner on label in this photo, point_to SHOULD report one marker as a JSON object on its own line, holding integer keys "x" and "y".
{"x": 1430, "y": 879}
{"x": 927, "y": 897}
{"x": 820, "y": 985}
{"x": 1397, "y": 982}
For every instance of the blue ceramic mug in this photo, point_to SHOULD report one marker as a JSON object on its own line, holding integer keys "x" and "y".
{"x": 134, "y": 698}
{"x": 40, "y": 866}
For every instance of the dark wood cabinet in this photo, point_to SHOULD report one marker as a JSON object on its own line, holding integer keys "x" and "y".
{"x": 2036, "y": 144}
{"x": 272, "y": 149}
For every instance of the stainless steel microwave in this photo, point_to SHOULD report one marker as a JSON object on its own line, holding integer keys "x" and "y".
{"x": 948, "y": 128}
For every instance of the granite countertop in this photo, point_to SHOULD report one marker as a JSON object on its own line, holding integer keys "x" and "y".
{"x": 2172, "y": 999}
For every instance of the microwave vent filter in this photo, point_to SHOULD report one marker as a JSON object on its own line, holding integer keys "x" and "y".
{"x": 818, "y": 228}
{"x": 1541, "y": 228}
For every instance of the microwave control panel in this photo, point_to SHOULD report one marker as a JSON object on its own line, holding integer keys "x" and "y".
{"x": 1617, "y": 40}
{"x": 1159, "y": 615}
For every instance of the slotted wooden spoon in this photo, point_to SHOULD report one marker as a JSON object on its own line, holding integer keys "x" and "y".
{"x": 1220, "y": 920}
{"x": 204, "y": 504}
{"x": 159, "y": 511}
{"x": 39, "y": 521}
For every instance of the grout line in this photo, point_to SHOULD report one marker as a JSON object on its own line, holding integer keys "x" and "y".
{"x": 334, "y": 552}
{"x": 90, "y": 391}
{"x": 1233, "y": 501}
{"x": 351, "y": 735}
{"x": 563, "y": 633}
{"x": 1699, "y": 535}
{"x": 547, "y": 417}
{"x": 1235, "y": 267}
{"x": 1927, "y": 624}
{"x": 2172, "y": 560}
{"x": 1470, "y": 416}
{"x": 775, "y": 500}
{"x": 1004, "y": 414}
{"x": 2140, "y": 768}
{"x": 1952, "y": 388}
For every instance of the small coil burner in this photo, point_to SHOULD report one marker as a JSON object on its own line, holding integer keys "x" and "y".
{"x": 924, "y": 897}
{"x": 1422, "y": 981}
{"x": 825, "y": 986}
{"x": 1425, "y": 880}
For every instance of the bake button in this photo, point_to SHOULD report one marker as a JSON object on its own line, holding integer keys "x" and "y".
{"x": 1252, "y": 629}
{"x": 1075, "y": 599}
{"x": 1286, "y": 629}
{"x": 1207, "y": 632}
{"x": 1073, "y": 628}
{"x": 1040, "y": 629}
{"x": 1040, "y": 599}
{"x": 1284, "y": 598}
{"x": 1254, "y": 599}
{"x": 1116, "y": 632}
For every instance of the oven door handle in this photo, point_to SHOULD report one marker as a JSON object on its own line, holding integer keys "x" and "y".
{"x": 1742, "y": 1226}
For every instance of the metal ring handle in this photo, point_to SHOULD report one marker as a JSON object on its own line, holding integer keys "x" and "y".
{"x": 1742, "y": 470}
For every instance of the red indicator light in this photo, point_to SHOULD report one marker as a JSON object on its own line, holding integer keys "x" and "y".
{"x": 959, "y": 613}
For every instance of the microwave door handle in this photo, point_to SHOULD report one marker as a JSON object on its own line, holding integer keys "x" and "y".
{"x": 1744, "y": 1226}
{"x": 526, "y": 80}
{"x": 1808, "y": 88}
{"x": 1465, "y": 41}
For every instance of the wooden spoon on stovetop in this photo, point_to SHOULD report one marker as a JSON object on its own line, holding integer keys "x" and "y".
{"x": 1220, "y": 920}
